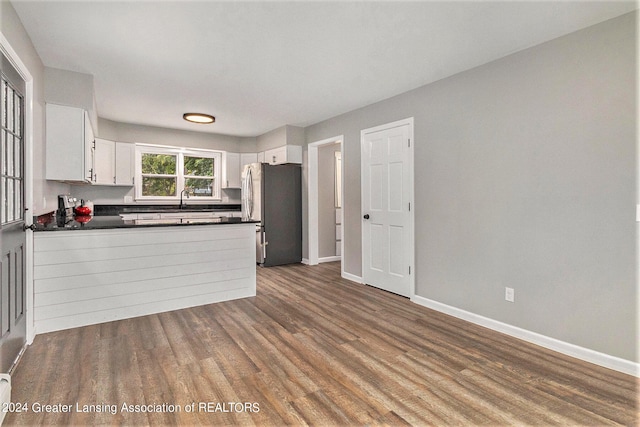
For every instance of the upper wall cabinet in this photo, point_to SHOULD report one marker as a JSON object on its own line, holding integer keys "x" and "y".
{"x": 114, "y": 163}
{"x": 69, "y": 144}
{"x": 231, "y": 170}
{"x": 104, "y": 162}
{"x": 233, "y": 163}
{"x": 125, "y": 163}
{"x": 75, "y": 155}
{"x": 284, "y": 154}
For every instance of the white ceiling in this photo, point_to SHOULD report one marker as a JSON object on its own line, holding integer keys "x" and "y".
{"x": 259, "y": 65}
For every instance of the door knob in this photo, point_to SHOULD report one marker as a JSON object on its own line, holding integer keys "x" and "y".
{"x": 26, "y": 227}
{"x": 366, "y": 216}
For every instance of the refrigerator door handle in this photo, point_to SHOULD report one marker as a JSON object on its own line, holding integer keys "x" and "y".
{"x": 264, "y": 246}
{"x": 249, "y": 184}
{"x": 247, "y": 193}
{"x": 250, "y": 194}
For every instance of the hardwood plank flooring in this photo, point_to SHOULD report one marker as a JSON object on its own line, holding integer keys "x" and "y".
{"x": 311, "y": 349}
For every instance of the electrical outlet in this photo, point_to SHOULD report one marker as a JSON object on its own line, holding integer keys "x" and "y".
{"x": 128, "y": 199}
{"x": 509, "y": 294}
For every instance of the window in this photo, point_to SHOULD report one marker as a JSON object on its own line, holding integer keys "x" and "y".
{"x": 11, "y": 167}
{"x": 162, "y": 173}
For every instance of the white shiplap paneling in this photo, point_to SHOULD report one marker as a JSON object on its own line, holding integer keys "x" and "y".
{"x": 88, "y": 277}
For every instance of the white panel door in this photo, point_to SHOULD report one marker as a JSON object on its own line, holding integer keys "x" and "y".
{"x": 387, "y": 222}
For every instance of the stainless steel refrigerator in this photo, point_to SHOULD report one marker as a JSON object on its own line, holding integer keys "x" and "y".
{"x": 272, "y": 194}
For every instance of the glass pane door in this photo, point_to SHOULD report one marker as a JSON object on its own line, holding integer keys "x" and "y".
{"x": 12, "y": 153}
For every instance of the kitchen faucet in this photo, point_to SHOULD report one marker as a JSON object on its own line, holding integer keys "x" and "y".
{"x": 182, "y": 204}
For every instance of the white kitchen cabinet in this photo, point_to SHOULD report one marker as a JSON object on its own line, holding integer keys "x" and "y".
{"x": 231, "y": 170}
{"x": 284, "y": 154}
{"x": 125, "y": 163}
{"x": 114, "y": 162}
{"x": 104, "y": 162}
{"x": 69, "y": 144}
{"x": 247, "y": 159}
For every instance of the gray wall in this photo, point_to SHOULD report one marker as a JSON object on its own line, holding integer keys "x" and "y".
{"x": 284, "y": 135}
{"x": 524, "y": 177}
{"x": 73, "y": 89}
{"x": 125, "y": 132}
{"x": 327, "y": 200}
{"x": 44, "y": 192}
{"x": 272, "y": 139}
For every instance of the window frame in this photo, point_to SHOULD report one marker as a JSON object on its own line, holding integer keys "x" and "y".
{"x": 12, "y": 162}
{"x": 180, "y": 153}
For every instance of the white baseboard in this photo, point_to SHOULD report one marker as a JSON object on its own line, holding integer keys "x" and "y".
{"x": 329, "y": 259}
{"x": 305, "y": 261}
{"x": 592, "y": 356}
{"x": 351, "y": 277}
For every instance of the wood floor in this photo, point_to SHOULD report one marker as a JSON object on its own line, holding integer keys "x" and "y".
{"x": 314, "y": 349}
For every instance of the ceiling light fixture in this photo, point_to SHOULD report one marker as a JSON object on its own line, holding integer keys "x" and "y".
{"x": 198, "y": 118}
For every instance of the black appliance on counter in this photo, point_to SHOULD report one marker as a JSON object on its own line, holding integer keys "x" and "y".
{"x": 66, "y": 205}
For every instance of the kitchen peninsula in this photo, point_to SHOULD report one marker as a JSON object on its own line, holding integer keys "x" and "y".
{"x": 108, "y": 267}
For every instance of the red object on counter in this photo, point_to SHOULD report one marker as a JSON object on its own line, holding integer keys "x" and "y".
{"x": 83, "y": 218}
{"x": 83, "y": 210}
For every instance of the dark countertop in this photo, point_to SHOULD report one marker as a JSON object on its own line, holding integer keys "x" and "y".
{"x": 105, "y": 222}
{"x": 118, "y": 209}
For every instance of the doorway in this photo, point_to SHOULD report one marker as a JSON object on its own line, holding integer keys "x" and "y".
{"x": 318, "y": 207}
{"x": 16, "y": 290}
{"x": 387, "y": 211}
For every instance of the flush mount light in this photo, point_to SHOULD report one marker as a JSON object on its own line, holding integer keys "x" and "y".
{"x": 198, "y": 118}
